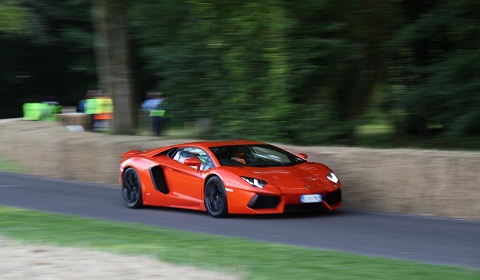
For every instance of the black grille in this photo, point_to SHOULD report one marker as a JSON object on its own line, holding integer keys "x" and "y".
{"x": 330, "y": 198}
{"x": 264, "y": 201}
{"x": 333, "y": 197}
{"x": 304, "y": 207}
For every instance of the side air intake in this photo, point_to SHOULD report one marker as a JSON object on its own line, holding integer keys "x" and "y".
{"x": 158, "y": 179}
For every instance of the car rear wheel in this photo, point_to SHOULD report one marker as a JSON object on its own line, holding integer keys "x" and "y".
{"x": 215, "y": 198}
{"x": 131, "y": 189}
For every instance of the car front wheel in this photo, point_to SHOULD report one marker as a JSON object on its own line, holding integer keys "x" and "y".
{"x": 215, "y": 198}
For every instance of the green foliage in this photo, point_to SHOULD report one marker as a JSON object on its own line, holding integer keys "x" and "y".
{"x": 266, "y": 70}
{"x": 222, "y": 62}
{"x": 438, "y": 58}
{"x": 13, "y": 19}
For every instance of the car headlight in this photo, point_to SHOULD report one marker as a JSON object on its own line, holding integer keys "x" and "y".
{"x": 332, "y": 177}
{"x": 255, "y": 182}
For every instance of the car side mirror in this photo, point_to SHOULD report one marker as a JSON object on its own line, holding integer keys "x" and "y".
{"x": 193, "y": 162}
{"x": 303, "y": 155}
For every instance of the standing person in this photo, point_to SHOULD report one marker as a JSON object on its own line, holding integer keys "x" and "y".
{"x": 104, "y": 114}
{"x": 155, "y": 106}
{"x": 91, "y": 107}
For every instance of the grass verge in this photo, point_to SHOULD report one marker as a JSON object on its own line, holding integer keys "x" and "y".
{"x": 255, "y": 260}
{"x": 8, "y": 165}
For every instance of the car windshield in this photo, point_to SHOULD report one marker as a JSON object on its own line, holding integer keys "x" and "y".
{"x": 263, "y": 155}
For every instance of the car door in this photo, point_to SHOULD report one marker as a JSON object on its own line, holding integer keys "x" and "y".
{"x": 186, "y": 182}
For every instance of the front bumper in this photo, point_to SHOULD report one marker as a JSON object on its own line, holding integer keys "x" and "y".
{"x": 291, "y": 203}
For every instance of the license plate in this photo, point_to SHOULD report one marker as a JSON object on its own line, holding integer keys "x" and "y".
{"x": 311, "y": 198}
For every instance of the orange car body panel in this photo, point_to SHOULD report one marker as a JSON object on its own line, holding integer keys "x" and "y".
{"x": 186, "y": 183}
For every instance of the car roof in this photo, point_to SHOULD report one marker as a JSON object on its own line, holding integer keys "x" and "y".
{"x": 203, "y": 144}
{"x": 208, "y": 144}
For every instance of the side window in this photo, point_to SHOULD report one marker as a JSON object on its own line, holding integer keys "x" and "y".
{"x": 183, "y": 154}
{"x": 190, "y": 152}
{"x": 207, "y": 164}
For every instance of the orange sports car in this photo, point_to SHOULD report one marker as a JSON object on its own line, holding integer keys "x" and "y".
{"x": 227, "y": 177}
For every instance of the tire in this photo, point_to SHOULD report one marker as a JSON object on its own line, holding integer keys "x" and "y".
{"x": 215, "y": 198}
{"x": 131, "y": 189}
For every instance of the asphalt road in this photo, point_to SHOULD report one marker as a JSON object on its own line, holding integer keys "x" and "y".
{"x": 408, "y": 237}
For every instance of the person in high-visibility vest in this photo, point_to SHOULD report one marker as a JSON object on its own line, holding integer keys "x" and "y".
{"x": 32, "y": 111}
{"x": 156, "y": 106}
{"x": 50, "y": 110}
{"x": 92, "y": 106}
{"x": 104, "y": 113}
{"x": 35, "y": 111}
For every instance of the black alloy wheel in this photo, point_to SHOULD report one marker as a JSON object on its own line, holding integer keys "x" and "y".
{"x": 131, "y": 189}
{"x": 215, "y": 198}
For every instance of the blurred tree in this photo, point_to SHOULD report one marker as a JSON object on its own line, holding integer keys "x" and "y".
{"x": 13, "y": 19}
{"x": 338, "y": 57}
{"x": 300, "y": 71}
{"x": 255, "y": 64}
{"x": 49, "y": 42}
{"x": 437, "y": 70}
{"x": 112, "y": 58}
{"x": 219, "y": 60}
{"x": 13, "y": 29}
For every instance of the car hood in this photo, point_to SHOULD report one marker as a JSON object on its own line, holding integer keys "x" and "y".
{"x": 312, "y": 176}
